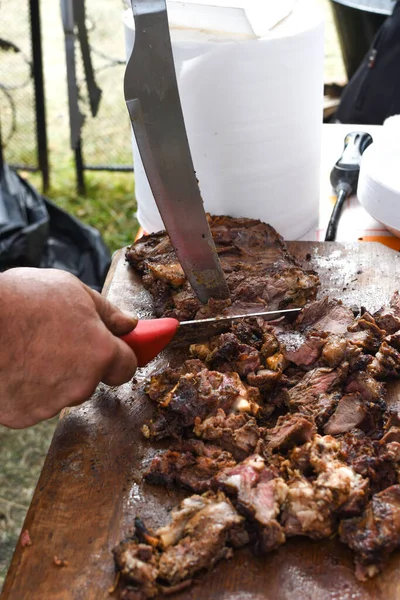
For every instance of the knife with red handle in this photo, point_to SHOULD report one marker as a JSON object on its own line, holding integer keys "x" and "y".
{"x": 151, "y": 336}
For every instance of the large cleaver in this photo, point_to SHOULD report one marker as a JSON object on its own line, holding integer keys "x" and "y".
{"x": 152, "y": 99}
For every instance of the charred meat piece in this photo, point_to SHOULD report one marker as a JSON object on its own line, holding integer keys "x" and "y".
{"x": 181, "y": 549}
{"x": 260, "y": 272}
{"x": 386, "y": 362}
{"x": 193, "y": 465}
{"x": 162, "y": 383}
{"x": 388, "y": 318}
{"x": 138, "y": 564}
{"x": 187, "y": 550}
{"x": 238, "y": 434}
{"x": 325, "y": 315}
{"x": 232, "y": 355}
{"x": 366, "y": 323}
{"x": 369, "y": 459}
{"x": 290, "y": 430}
{"x": 375, "y": 534}
{"x": 200, "y": 395}
{"x": 259, "y": 494}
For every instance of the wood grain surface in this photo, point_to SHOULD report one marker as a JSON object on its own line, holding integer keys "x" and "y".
{"x": 91, "y": 488}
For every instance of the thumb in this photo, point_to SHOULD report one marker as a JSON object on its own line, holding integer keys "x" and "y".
{"x": 118, "y": 322}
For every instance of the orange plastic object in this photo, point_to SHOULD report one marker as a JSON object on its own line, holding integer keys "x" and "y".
{"x": 391, "y": 242}
{"x": 150, "y": 337}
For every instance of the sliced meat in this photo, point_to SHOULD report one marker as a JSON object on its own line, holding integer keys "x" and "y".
{"x": 260, "y": 272}
{"x": 350, "y": 412}
{"x": 325, "y": 315}
{"x": 314, "y": 384}
{"x": 375, "y": 534}
{"x": 370, "y": 389}
{"x": 290, "y": 430}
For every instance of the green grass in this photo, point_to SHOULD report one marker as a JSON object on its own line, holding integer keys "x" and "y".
{"x": 21, "y": 459}
{"x": 108, "y": 204}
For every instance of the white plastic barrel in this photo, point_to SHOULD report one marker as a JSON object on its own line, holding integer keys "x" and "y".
{"x": 250, "y": 76}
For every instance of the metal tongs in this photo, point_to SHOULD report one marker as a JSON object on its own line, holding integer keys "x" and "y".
{"x": 152, "y": 99}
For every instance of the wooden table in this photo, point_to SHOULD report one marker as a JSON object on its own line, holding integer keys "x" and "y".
{"x": 90, "y": 488}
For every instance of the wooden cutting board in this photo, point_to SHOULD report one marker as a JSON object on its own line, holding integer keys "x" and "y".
{"x": 91, "y": 489}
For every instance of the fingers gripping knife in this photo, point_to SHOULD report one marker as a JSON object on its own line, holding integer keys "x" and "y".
{"x": 152, "y": 99}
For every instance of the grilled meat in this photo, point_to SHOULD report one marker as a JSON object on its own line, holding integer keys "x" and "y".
{"x": 260, "y": 272}
{"x": 282, "y": 427}
{"x": 181, "y": 549}
{"x": 375, "y": 534}
{"x": 193, "y": 465}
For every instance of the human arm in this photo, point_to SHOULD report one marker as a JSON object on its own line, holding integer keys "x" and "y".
{"x": 58, "y": 340}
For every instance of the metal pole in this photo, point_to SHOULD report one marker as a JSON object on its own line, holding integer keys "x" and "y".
{"x": 41, "y": 132}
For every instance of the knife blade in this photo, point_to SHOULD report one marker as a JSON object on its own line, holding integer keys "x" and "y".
{"x": 152, "y": 335}
{"x": 153, "y": 102}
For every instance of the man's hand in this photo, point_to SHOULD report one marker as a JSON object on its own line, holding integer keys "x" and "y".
{"x": 57, "y": 342}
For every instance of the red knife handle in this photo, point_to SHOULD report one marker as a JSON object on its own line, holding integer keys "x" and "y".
{"x": 150, "y": 337}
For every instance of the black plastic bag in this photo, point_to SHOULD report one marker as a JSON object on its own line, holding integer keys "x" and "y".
{"x": 34, "y": 232}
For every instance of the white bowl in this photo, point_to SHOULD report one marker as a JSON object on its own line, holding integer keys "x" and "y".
{"x": 379, "y": 184}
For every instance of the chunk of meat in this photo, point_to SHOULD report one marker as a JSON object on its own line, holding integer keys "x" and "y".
{"x": 138, "y": 563}
{"x": 290, "y": 430}
{"x": 187, "y": 549}
{"x": 259, "y": 494}
{"x": 388, "y": 318}
{"x": 312, "y": 507}
{"x": 369, "y": 459}
{"x": 370, "y": 389}
{"x": 199, "y": 395}
{"x": 239, "y": 434}
{"x": 193, "y": 465}
{"x": 305, "y": 512}
{"x": 302, "y": 350}
{"x": 232, "y": 355}
{"x": 375, "y": 534}
{"x": 386, "y": 362}
{"x": 367, "y": 323}
{"x": 162, "y": 383}
{"x": 325, "y": 315}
